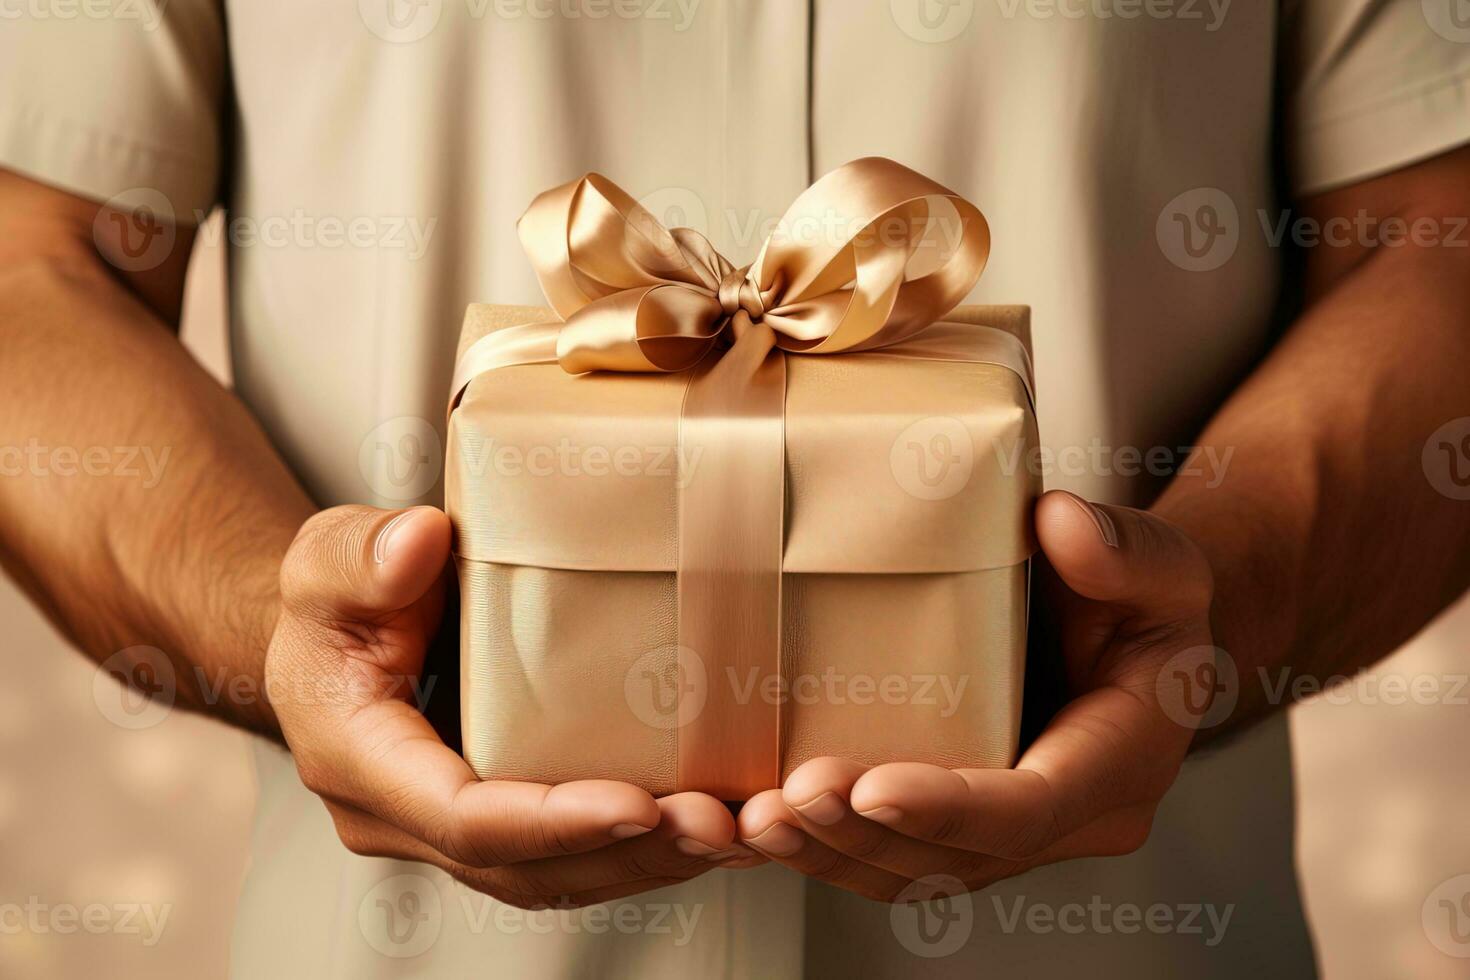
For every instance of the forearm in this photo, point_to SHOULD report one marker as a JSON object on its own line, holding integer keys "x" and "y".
{"x": 1329, "y": 545}
{"x": 140, "y": 503}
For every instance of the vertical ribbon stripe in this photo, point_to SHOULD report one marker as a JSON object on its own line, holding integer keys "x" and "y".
{"x": 867, "y": 258}
{"x": 732, "y": 502}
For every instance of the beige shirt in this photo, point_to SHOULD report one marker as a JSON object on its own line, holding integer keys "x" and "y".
{"x": 1131, "y": 155}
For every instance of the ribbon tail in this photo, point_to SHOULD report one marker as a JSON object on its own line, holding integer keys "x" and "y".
{"x": 732, "y": 502}
{"x": 526, "y": 343}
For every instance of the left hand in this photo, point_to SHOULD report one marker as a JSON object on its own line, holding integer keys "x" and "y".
{"x": 1131, "y": 607}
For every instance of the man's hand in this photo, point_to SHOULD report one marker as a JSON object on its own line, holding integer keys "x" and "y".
{"x": 1130, "y": 595}
{"x": 362, "y": 592}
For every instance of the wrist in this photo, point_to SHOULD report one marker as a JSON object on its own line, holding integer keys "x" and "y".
{"x": 217, "y": 609}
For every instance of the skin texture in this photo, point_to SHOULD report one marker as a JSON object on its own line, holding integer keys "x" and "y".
{"x": 1324, "y": 549}
{"x": 229, "y": 568}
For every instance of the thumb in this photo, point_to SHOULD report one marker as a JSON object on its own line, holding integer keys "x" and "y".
{"x": 1121, "y": 555}
{"x": 361, "y": 564}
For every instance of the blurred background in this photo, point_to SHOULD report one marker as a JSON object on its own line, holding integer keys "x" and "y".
{"x": 97, "y": 818}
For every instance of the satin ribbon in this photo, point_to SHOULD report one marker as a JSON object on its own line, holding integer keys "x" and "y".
{"x": 868, "y": 258}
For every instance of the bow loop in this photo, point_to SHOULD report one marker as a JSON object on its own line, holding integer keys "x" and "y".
{"x": 866, "y": 257}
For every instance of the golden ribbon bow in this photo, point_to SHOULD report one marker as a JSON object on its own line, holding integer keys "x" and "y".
{"x": 870, "y": 256}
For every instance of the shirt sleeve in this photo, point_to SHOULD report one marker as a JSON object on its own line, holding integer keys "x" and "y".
{"x": 109, "y": 97}
{"x": 1372, "y": 86}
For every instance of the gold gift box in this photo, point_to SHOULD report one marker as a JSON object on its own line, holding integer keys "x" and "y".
{"x": 904, "y": 575}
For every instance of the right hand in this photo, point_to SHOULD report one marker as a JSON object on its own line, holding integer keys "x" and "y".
{"x": 362, "y": 592}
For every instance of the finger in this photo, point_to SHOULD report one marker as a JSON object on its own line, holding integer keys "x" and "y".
{"x": 1121, "y": 555}
{"x": 368, "y": 836}
{"x": 357, "y": 564}
{"x": 1098, "y": 755}
{"x": 364, "y": 834}
{"x": 829, "y": 818}
{"x": 378, "y": 753}
{"x": 388, "y": 761}
{"x": 361, "y": 594}
{"x": 817, "y": 790}
{"x": 768, "y": 825}
{"x": 625, "y": 867}
{"x": 1115, "y": 833}
{"x": 695, "y": 834}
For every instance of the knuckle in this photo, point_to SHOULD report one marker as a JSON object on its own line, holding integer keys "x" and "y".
{"x": 1158, "y": 542}
{"x": 1031, "y": 839}
{"x": 639, "y": 863}
{"x": 406, "y": 807}
{"x": 507, "y": 839}
{"x": 357, "y": 839}
{"x": 874, "y": 848}
{"x": 542, "y": 834}
{"x": 313, "y": 777}
{"x": 326, "y": 549}
{"x": 456, "y": 843}
{"x": 1027, "y": 839}
{"x": 636, "y": 865}
{"x": 953, "y": 828}
{"x": 404, "y": 802}
{"x": 828, "y": 866}
{"x": 299, "y": 565}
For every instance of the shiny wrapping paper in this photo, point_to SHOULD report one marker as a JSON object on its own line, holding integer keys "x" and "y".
{"x": 692, "y": 558}
{"x": 570, "y": 665}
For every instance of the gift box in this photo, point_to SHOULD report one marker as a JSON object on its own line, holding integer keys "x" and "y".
{"x": 713, "y": 522}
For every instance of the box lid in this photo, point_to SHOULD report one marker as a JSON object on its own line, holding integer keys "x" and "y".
{"x": 893, "y": 464}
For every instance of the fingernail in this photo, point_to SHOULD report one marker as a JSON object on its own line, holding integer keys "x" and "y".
{"x": 1100, "y": 519}
{"x": 623, "y": 831}
{"x": 780, "y": 839}
{"x": 826, "y": 809}
{"x": 385, "y": 537}
{"x": 883, "y": 814}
